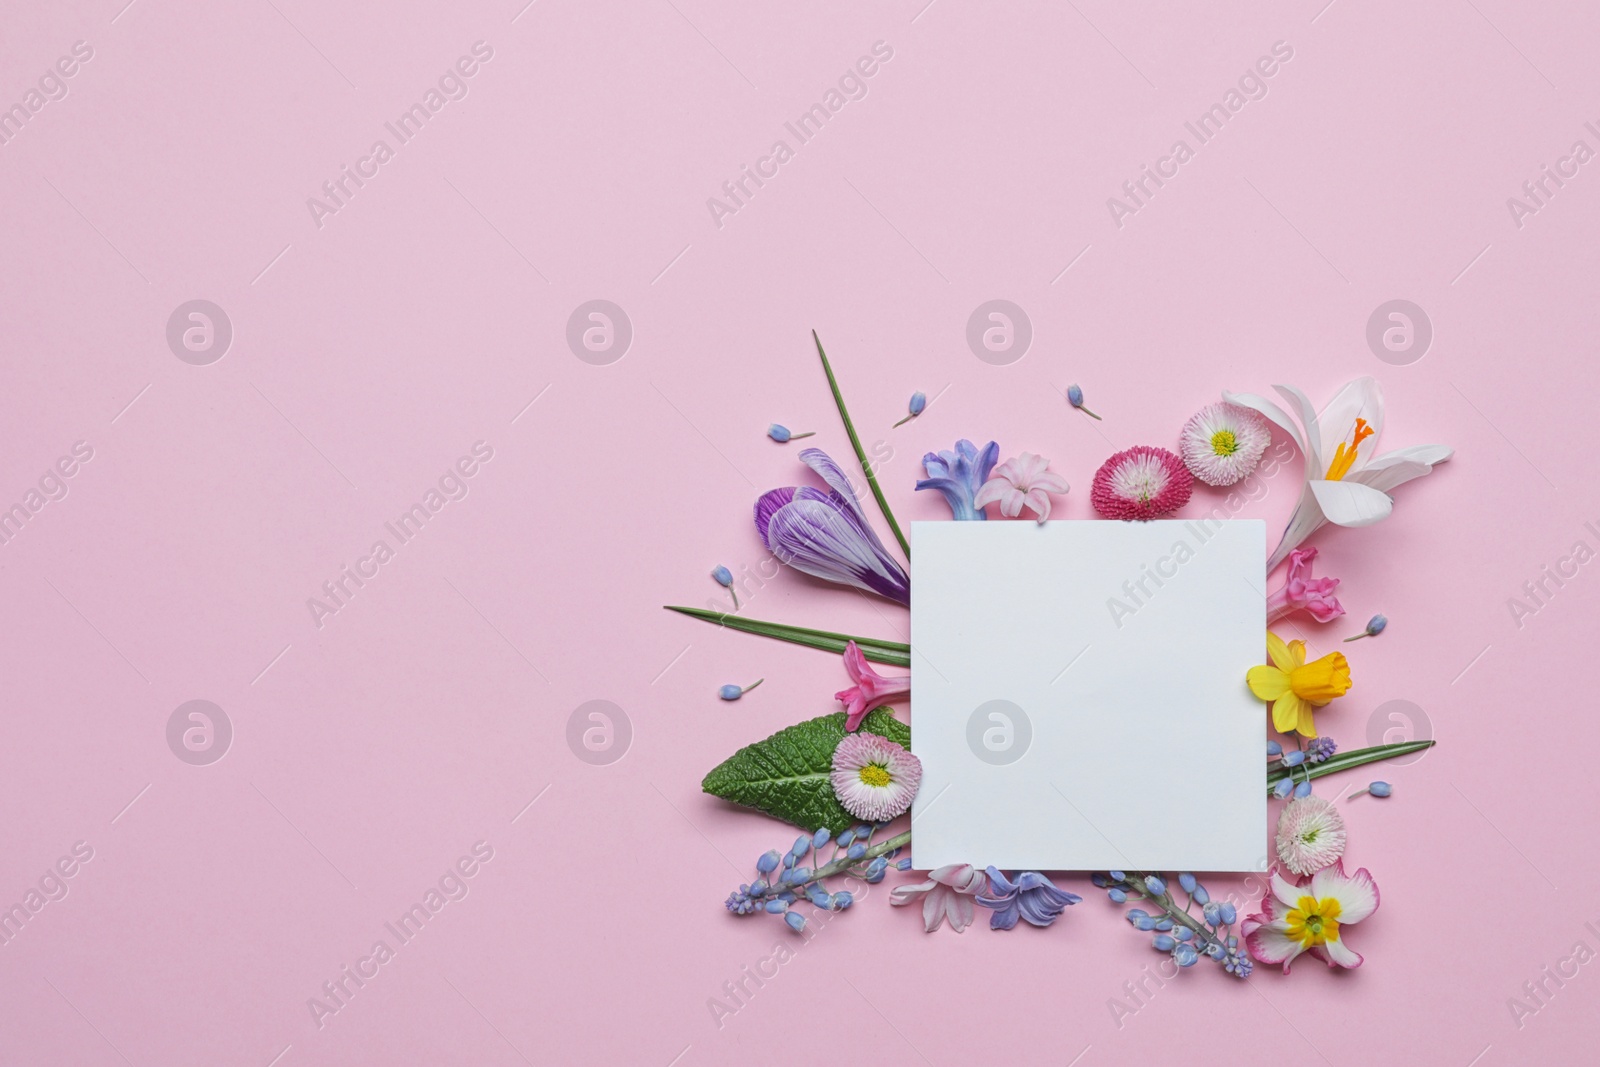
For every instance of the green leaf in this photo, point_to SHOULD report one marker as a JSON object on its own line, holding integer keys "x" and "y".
{"x": 861, "y": 456}
{"x": 786, "y": 775}
{"x": 892, "y": 652}
{"x": 1344, "y": 761}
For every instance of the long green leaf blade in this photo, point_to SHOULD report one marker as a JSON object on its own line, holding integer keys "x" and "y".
{"x": 879, "y": 651}
{"x": 861, "y": 456}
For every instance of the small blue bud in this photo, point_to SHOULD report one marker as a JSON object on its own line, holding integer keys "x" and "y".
{"x": 903, "y": 865}
{"x": 1228, "y": 913}
{"x": 1145, "y": 923}
{"x": 1376, "y": 624}
{"x": 1200, "y": 895}
{"x": 1303, "y": 789}
{"x": 1183, "y": 933}
{"x": 821, "y": 898}
{"x": 768, "y": 862}
{"x": 723, "y": 576}
{"x": 1136, "y": 913}
{"x": 1274, "y": 749}
{"x": 846, "y": 837}
{"x": 1186, "y": 880}
{"x": 758, "y": 887}
{"x": 1185, "y": 955}
{"x": 1216, "y": 951}
{"x": 730, "y": 692}
{"x": 1283, "y": 788}
{"x": 1164, "y": 942}
{"x": 1099, "y": 880}
{"x": 777, "y": 907}
{"x": 802, "y": 845}
{"x": 821, "y": 837}
{"x": 1155, "y": 883}
{"x": 919, "y": 401}
{"x": 1380, "y": 789}
{"x": 1213, "y": 913}
{"x": 1117, "y": 896}
{"x": 1163, "y": 924}
{"x": 856, "y": 851}
{"x": 787, "y": 896}
{"x": 1118, "y": 876}
{"x": 1074, "y": 395}
{"x": 788, "y": 860}
{"x": 843, "y": 900}
{"x": 1294, "y": 759}
{"x": 796, "y": 921}
{"x": 781, "y": 434}
{"x": 802, "y": 874}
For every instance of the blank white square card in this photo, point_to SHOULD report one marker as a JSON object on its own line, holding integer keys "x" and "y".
{"x": 1079, "y": 698}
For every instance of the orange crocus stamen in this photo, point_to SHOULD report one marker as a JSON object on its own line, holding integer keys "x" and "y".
{"x": 1345, "y": 457}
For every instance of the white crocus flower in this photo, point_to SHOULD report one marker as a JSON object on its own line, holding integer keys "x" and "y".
{"x": 1347, "y": 482}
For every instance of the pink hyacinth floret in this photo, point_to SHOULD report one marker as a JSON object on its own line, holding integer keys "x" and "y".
{"x": 1141, "y": 483}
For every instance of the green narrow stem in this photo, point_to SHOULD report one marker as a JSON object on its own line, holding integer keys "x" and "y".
{"x": 861, "y": 456}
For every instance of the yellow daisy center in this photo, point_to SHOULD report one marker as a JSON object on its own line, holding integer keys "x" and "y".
{"x": 875, "y": 775}
{"x": 1224, "y": 443}
{"x": 1313, "y": 922}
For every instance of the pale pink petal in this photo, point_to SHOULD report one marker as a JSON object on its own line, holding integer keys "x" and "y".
{"x": 1357, "y": 893}
{"x": 1038, "y": 502}
{"x": 1269, "y": 944}
{"x": 1339, "y": 954}
{"x": 958, "y": 910}
{"x": 1011, "y": 503}
{"x": 1050, "y": 482}
{"x": 990, "y": 492}
{"x": 855, "y": 663}
{"x": 901, "y": 895}
{"x": 933, "y": 908}
{"x": 1286, "y": 890}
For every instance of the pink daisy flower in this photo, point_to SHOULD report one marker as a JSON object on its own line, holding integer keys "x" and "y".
{"x": 1223, "y": 443}
{"x": 874, "y": 778}
{"x": 1141, "y": 483}
{"x": 1025, "y": 481}
{"x": 1310, "y": 834}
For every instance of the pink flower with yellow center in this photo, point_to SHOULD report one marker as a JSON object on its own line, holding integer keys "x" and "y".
{"x": 1311, "y": 917}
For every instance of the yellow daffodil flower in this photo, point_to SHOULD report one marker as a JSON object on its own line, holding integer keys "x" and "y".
{"x": 1294, "y": 687}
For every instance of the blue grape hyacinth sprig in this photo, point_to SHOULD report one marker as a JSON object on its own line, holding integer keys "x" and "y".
{"x": 784, "y": 884}
{"x": 1176, "y": 930}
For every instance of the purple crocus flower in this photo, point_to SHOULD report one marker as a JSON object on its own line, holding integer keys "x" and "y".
{"x": 826, "y": 534}
{"x": 1032, "y": 897}
{"x": 958, "y": 475}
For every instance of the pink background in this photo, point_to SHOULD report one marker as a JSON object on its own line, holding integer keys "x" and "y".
{"x": 369, "y": 354}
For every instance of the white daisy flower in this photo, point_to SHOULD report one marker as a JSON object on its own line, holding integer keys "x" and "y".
{"x": 1223, "y": 443}
{"x": 874, "y": 778}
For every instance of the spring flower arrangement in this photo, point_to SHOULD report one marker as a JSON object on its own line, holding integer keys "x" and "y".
{"x": 844, "y": 778}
